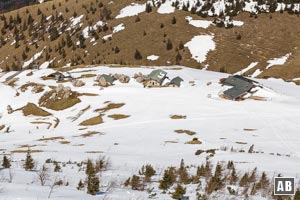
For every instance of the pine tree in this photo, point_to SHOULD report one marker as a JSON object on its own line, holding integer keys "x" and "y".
{"x": 183, "y": 174}
{"x": 29, "y": 162}
{"x": 80, "y": 185}
{"x": 6, "y": 162}
{"x": 233, "y": 176}
{"x": 216, "y": 182}
{"x": 244, "y": 180}
{"x": 181, "y": 46}
{"x": 169, "y": 45}
{"x": 263, "y": 182}
{"x": 135, "y": 182}
{"x": 92, "y": 179}
{"x": 251, "y": 149}
{"x": 173, "y": 20}
{"x": 137, "y": 55}
{"x": 168, "y": 179}
{"x": 297, "y": 195}
{"x": 179, "y": 191}
{"x": 148, "y": 8}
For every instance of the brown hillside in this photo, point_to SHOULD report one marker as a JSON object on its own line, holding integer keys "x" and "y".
{"x": 263, "y": 38}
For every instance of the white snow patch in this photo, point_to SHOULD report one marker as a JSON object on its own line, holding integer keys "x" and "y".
{"x": 200, "y": 45}
{"x": 278, "y": 61}
{"x": 256, "y": 73}
{"x": 152, "y": 57}
{"x": 36, "y": 56}
{"x": 131, "y": 10}
{"x": 237, "y": 23}
{"x": 253, "y": 64}
{"x": 106, "y": 37}
{"x": 198, "y": 23}
{"x": 166, "y": 8}
{"x": 76, "y": 20}
{"x": 118, "y": 28}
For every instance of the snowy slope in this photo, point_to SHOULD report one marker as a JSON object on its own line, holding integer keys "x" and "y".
{"x": 129, "y": 143}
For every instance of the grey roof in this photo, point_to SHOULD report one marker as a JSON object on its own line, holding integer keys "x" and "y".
{"x": 241, "y": 86}
{"x": 158, "y": 75}
{"x": 237, "y": 80}
{"x": 176, "y": 81}
{"x": 108, "y": 78}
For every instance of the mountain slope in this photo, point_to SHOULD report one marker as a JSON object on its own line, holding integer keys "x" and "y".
{"x": 66, "y": 39}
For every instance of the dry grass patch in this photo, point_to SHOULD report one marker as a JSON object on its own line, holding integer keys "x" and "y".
{"x": 51, "y": 138}
{"x": 92, "y": 121}
{"x": 64, "y": 142}
{"x": 185, "y": 131}
{"x": 118, "y": 116}
{"x": 250, "y": 129}
{"x": 37, "y": 88}
{"x": 170, "y": 141}
{"x": 2, "y": 127}
{"x": 78, "y": 145}
{"x": 194, "y": 141}
{"x": 86, "y": 76}
{"x": 94, "y": 152}
{"x": 89, "y": 94}
{"x": 25, "y": 151}
{"x": 110, "y": 106}
{"x": 241, "y": 142}
{"x": 90, "y": 134}
{"x": 59, "y": 103}
{"x": 32, "y": 109}
{"x": 178, "y": 116}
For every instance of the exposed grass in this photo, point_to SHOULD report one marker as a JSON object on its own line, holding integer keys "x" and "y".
{"x": 118, "y": 116}
{"x": 170, "y": 141}
{"x": 64, "y": 142}
{"x": 94, "y": 152}
{"x": 194, "y": 141}
{"x": 60, "y": 103}
{"x": 178, "y": 116}
{"x": 250, "y": 129}
{"x": 12, "y": 82}
{"x": 87, "y": 76}
{"x": 185, "y": 131}
{"x": 32, "y": 109}
{"x": 51, "y": 138}
{"x": 56, "y": 122}
{"x": 39, "y": 87}
{"x": 110, "y": 106}
{"x": 90, "y": 134}
{"x": 25, "y": 151}
{"x": 2, "y": 127}
{"x": 92, "y": 121}
{"x": 89, "y": 94}
{"x": 241, "y": 142}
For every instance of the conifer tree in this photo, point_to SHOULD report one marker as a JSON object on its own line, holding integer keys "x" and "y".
{"x": 29, "y": 162}
{"x": 169, "y": 45}
{"x": 80, "y": 185}
{"x": 137, "y": 55}
{"x": 148, "y": 8}
{"x": 92, "y": 179}
{"x": 179, "y": 191}
{"x": 6, "y": 162}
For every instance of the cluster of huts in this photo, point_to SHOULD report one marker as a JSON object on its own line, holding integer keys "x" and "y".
{"x": 157, "y": 78}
